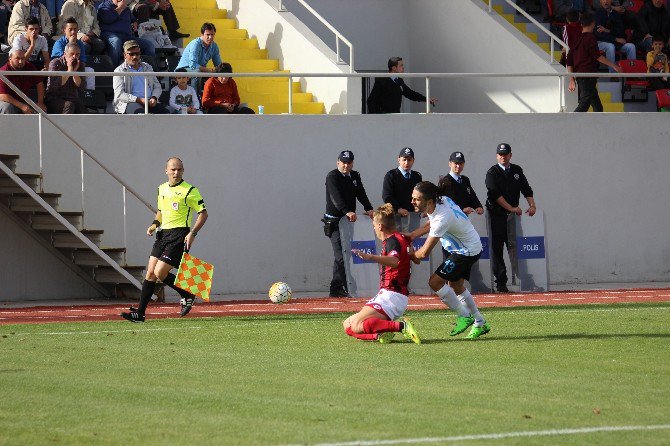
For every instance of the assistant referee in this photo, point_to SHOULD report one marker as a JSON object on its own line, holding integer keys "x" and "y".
{"x": 178, "y": 201}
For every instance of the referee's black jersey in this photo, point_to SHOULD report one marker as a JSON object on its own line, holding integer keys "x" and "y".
{"x": 462, "y": 193}
{"x": 343, "y": 191}
{"x": 509, "y": 185}
{"x": 397, "y": 189}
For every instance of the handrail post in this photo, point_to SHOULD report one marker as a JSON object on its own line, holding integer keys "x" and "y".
{"x": 280, "y": 6}
{"x": 551, "y": 51}
{"x": 338, "y": 59}
{"x": 427, "y": 95}
{"x": 561, "y": 93}
{"x": 146, "y": 92}
{"x": 125, "y": 228}
{"x": 290, "y": 95}
{"x": 351, "y": 59}
{"x": 490, "y": 6}
{"x": 81, "y": 164}
{"x": 39, "y": 125}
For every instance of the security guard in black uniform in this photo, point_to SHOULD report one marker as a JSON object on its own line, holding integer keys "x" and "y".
{"x": 504, "y": 183}
{"x": 461, "y": 190}
{"x": 343, "y": 188}
{"x": 399, "y": 183}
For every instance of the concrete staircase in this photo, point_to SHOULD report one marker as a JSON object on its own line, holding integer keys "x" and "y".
{"x": 533, "y": 33}
{"x": 245, "y": 55}
{"x": 59, "y": 240}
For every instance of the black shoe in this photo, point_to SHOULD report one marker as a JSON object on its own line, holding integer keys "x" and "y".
{"x": 339, "y": 293}
{"x": 502, "y": 289}
{"x": 186, "y": 305}
{"x": 177, "y": 35}
{"x": 133, "y": 316}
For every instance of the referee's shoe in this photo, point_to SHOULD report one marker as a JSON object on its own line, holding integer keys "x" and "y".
{"x": 186, "y": 305}
{"x": 133, "y": 316}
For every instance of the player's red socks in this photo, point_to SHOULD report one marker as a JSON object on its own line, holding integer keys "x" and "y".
{"x": 375, "y": 325}
{"x": 362, "y": 336}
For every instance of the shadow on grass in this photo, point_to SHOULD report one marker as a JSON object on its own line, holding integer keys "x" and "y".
{"x": 556, "y": 337}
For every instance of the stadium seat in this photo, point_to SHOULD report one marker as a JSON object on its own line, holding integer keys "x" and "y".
{"x": 4, "y": 57}
{"x": 94, "y": 99}
{"x": 663, "y": 100}
{"x": 634, "y": 89}
{"x": 151, "y": 60}
{"x": 172, "y": 62}
{"x": 635, "y": 6}
{"x": 103, "y": 63}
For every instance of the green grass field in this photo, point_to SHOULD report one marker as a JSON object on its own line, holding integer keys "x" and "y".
{"x": 300, "y": 380}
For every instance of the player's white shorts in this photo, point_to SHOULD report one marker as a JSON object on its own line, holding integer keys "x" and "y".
{"x": 390, "y": 303}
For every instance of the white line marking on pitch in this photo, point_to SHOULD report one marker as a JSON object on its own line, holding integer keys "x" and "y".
{"x": 52, "y": 333}
{"x": 499, "y": 436}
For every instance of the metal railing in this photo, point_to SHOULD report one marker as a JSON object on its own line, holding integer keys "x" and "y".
{"x": 338, "y": 35}
{"x": 552, "y": 37}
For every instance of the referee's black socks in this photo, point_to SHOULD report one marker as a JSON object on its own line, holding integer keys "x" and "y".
{"x": 169, "y": 281}
{"x": 148, "y": 288}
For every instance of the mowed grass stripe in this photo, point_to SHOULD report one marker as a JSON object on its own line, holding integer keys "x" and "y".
{"x": 297, "y": 379}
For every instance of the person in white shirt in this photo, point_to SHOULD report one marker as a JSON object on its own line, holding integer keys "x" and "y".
{"x": 448, "y": 224}
{"x": 34, "y": 44}
{"x": 183, "y": 98}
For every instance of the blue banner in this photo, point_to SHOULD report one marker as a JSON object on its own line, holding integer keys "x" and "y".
{"x": 530, "y": 247}
{"x": 417, "y": 243}
{"x": 367, "y": 246}
{"x": 485, "y": 248}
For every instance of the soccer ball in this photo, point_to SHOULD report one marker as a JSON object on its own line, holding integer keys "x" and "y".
{"x": 280, "y": 293}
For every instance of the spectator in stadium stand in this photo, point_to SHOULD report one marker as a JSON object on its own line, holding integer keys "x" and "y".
{"x": 10, "y": 101}
{"x": 70, "y": 35}
{"x": 85, "y": 14}
{"x": 199, "y": 52}
{"x": 129, "y": 91}
{"x": 386, "y": 95}
{"x": 35, "y": 45}
{"x": 610, "y": 33}
{"x": 584, "y": 57}
{"x": 343, "y": 187}
{"x": 399, "y": 183}
{"x": 5, "y": 11}
{"x": 657, "y": 62}
{"x": 62, "y": 95}
{"x": 24, "y": 9}
{"x": 220, "y": 95}
{"x": 654, "y": 20}
{"x": 505, "y": 182}
{"x": 154, "y": 9}
{"x": 571, "y": 32}
{"x": 118, "y": 26}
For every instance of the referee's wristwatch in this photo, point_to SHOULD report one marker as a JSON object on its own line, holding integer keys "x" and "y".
{"x": 194, "y": 233}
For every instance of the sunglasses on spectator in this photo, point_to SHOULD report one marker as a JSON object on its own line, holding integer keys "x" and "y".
{"x": 134, "y": 53}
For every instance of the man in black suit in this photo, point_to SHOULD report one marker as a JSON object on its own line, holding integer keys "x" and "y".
{"x": 343, "y": 188}
{"x": 461, "y": 190}
{"x": 399, "y": 183}
{"x": 386, "y": 95}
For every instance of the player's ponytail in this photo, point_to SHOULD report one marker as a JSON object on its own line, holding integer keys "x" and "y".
{"x": 429, "y": 191}
{"x": 386, "y": 216}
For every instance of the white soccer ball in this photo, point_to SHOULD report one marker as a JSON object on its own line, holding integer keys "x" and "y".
{"x": 280, "y": 293}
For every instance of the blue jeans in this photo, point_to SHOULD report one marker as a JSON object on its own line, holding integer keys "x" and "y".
{"x": 609, "y": 48}
{"x": 54, "y": 7}
{"x": 115, "y": 45}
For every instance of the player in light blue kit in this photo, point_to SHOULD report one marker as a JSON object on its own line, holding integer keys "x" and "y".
{"x": 449, "y": 224}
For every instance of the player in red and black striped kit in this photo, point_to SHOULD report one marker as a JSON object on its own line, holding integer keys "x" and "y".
{"x": 376, "y": 320}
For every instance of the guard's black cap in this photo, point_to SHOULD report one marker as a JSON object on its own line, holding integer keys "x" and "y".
{"x": 503, "y": 149}
{"x": 346, "y": 156}
{"x": 406, "y": 152}
{"x": 457, "y": 157}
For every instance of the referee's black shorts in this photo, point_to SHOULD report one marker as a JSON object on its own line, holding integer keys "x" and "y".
{"x": 456, "y": 267}
{"x": 169, "y": 245}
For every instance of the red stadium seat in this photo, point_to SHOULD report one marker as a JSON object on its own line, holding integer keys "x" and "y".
{"x": 634, "y": 89}
{"x": 635, "y": 6}
{"x": 663, "y": 99}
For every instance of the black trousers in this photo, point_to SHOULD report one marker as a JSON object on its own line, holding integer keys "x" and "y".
{"x": 339, "y": 281}
{"x": 144, "y": 13}
{"x": 237, "y": 111}
{"x": 498, "y": 240}
{"x": 587, "y": 93}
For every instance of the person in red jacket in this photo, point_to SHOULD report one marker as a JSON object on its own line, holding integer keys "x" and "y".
{"x": 220, "y": 95}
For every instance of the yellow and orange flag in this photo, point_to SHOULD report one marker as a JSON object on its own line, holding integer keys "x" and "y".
{"x": 195, "y": 276}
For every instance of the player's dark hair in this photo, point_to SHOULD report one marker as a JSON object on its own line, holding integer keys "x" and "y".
{"x": 224, "y": 67}
{"x": 32, "y": 20}
{"x": 657, "y": 38}
{"x": 393, "y": 62}
{"x": 70, "y": 20}
{"x": 446, "y": 187}
{"x": 429, "y": 191}
{"x": 586, "y": 19}
{"x": 572, "y": 16}
{"x": 181, "y": 70}
{"x": 207, "y": 27}
{"x": 386, "y": 216}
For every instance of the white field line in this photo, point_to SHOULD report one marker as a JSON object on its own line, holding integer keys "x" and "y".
{"x": 56, "y": 333}
{"x": 499, "y": 436}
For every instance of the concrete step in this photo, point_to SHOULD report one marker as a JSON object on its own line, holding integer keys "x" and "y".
{"x": 9, "y": 161}
{"x": 23, "y": 202}
{"x": 199, "y": 13}
{"x": 242, "y": 53}
{"x": 254, "y": 66}
{"x": 240, "y": 43}
{"x": 86, "y": 257}
{"x": 66, "y": 239}
{"x": 300, "y": 108}
{"x": 196, "y": 24}
{"x": 44, "y": 221}
{"x": 265, "y": 98}
{"x": 245, "y": 86}
{"x": 107, "y": 274}
{"x": 8, "y": 186}
{"x": 199, "y": 4}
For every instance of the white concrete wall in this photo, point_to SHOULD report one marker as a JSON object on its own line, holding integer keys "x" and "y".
{"x": 263, "y": 180}
{"x": 298, "y": 50}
